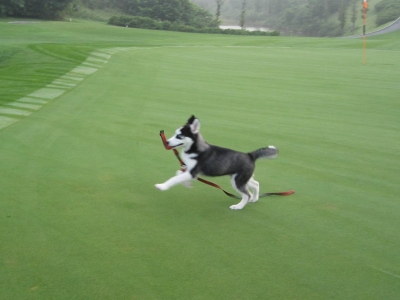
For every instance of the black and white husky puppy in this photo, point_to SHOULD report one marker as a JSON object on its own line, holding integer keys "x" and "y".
{"x": 202, "y": 158}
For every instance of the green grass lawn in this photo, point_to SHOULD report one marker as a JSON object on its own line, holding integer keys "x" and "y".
{"x": 80, "y": 218}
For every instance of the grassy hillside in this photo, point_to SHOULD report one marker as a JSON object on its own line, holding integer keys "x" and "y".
{"x": 371, "y": 18}
{"x": 82, "y": 106}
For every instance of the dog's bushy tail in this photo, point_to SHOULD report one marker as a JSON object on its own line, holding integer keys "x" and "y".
{"x": 266, "y": 153}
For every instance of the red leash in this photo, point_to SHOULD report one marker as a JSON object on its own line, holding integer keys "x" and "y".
{"x": 183, "y": 168}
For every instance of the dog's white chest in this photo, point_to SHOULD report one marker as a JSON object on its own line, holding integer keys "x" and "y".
{"x": 189, "y": 160}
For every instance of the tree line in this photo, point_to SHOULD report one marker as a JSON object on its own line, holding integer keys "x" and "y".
{"x": 182, "y": 11}
{"x": 148, "y": 23}
{"x": 301, "y": 17}
{"x": 171, "y": 10}
{"x": 314, "y": 17}
{"x": 42, "y": 9}
{"x": 307, "y": 17}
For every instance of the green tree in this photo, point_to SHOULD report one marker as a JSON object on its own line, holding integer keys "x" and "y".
{"x": 181, "y": 11}
{"x": 387, "y": 10}
{"x": 243, "y": 14}
{"x": 47, "y": 9}
{"x": 353, "y": 18}
{"x": 43, "y": 9}
{"x": 342, "y": 14}
{"x": 219, "y": 7}
{"x": 11, "y": 7}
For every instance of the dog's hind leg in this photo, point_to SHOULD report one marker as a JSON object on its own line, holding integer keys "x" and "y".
{"x": 255, "y": 187}
{"x": 240, "y": 186}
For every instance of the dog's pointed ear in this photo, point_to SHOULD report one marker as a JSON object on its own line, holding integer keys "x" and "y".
{"x": 191, "y": 119}
{"x": 194, "y": 125}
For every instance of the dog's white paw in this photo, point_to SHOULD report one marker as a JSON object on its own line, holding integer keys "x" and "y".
{"x": 236, "y": 207}
{"x": 161, "y": 187}
{"x": 253, "y": 199}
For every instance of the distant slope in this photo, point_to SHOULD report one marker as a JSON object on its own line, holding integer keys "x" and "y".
{"x": 387, "y": 29}
{"x": 285, "y": 18}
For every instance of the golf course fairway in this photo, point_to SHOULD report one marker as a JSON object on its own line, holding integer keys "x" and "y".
{"x": 81, "y": 107}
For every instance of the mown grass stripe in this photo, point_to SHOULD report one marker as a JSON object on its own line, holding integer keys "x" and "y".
{"x": 82, "y": 70}
{"x": 103, "y": 55}
{"x": 78, "y": 77}
{"x": 64, "y": 83}
{"x": 88, "y": 64}
{"x": 47, "y": 93}
{"x": 14, "y": 111}
{"x": 24, "y": 105}
{"x": 94, "y": 59}
{"x": 7, "y": 121}
{"x": 31, "y": 100}
{"x": 55, "y": 86}
{"x": 115, "y": 50}
{"x": 55, "y": 89}
{"x": 74, "y": 78}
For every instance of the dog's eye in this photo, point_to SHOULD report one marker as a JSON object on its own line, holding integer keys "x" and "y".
{"x": 180, "y": 136}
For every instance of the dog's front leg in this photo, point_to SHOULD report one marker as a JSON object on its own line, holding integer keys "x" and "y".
{"x": 187, "y": 184}
{"x": 181, "y": 178}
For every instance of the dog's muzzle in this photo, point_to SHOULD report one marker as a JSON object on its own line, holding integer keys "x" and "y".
{"x": 173, "y": 146}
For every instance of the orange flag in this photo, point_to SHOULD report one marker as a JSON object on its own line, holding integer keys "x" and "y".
{"x": 365, "y": 4}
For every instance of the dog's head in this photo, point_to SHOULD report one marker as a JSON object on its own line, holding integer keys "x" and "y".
{"x": 186, "y": 135}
